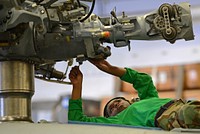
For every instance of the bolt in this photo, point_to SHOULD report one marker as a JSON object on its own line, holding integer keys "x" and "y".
{"x": 58, "y": 36}
{"x": 168, "y": 31}
{"x": 9, "y": 12}
{"x": 40, "y": 28}
{"x": 8, "y": 17}
{"x": 4, "y": 20}
{"x": 13, "y": 36}
{"x": 42, "y": 11}
{"x": 93, "y": 17}
{"x": 34, "y": 5}
{"x": 52, "y": 16}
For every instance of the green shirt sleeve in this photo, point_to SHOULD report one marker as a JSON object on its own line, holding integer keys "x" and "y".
{"x": 141, "y": 82}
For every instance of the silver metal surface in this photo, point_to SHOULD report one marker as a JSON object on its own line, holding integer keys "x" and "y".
{"x": 17, "y": 88}
{"x": 84, "y": 128}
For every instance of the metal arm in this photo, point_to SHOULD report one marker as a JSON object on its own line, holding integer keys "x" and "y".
{"x": 44, "y": 33}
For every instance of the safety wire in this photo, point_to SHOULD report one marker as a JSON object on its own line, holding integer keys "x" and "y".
{"x": 54, "y": 81}
{"x": 70, "y": 62}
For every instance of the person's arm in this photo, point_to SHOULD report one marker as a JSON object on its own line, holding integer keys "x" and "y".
{"x": 141, "y": 82}
{"x": 103, "y": 65}
{"x": 76, "y": 78}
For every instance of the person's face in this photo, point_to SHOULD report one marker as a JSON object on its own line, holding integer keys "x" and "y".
{"x": 116, "y": 106}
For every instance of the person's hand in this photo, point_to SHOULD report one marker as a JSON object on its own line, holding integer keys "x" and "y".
{"x": 76, "y": 76}
{"x": 100, "y": 64}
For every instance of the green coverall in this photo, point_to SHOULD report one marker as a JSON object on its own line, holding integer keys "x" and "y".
{"x": 141, "y": 113}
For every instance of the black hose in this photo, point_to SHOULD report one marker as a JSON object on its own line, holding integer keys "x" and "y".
{"x": 79, "y": 4}
{"x": 38, "y": 1}
{"x": 90, "y": 12}
{"x": 48, "y": 4}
